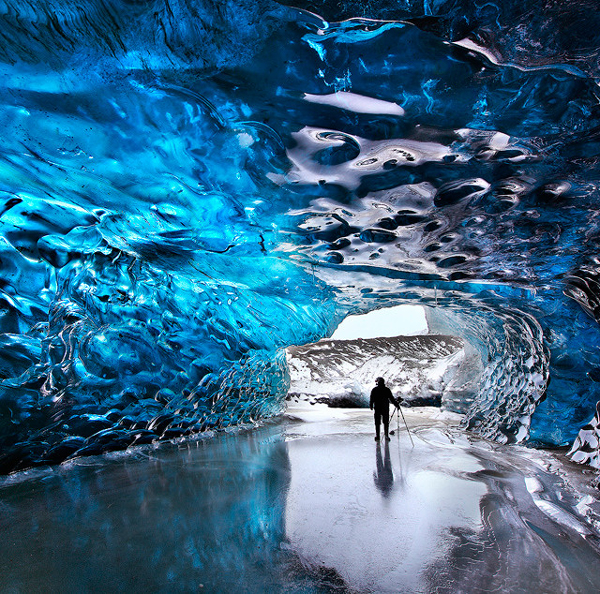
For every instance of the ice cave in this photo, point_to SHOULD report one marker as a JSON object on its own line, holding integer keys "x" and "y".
{"x": 191, "y": 187}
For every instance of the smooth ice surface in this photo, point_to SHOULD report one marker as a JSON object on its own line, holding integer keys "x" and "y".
{"x": 189, "y": 187}
{"x": 308, "y": 504}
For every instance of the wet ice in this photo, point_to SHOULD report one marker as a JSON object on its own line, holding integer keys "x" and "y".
{"x": 307, "y": 504}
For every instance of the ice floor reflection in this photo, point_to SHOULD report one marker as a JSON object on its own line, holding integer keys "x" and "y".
{"x": 307, "y": 504}
{"x": 208, "y": 517}
{"x": 453, "y": 514}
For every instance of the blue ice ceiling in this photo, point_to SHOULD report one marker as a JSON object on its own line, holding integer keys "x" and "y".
{"x": 189, "y": 187}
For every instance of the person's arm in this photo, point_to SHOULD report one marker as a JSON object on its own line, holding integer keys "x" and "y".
{"x": 371, "y": 401}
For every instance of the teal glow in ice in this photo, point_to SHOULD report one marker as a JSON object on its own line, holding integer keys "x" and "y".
{"x": 187, "y": 188}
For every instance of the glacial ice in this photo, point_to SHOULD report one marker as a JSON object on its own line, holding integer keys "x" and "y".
{"x": 190, "y": 187}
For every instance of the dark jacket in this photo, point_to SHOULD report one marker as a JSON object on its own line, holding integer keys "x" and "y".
{"x": 381, "y": 396}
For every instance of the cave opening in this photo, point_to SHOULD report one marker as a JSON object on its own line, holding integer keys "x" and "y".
{"x": 422, "y": 368}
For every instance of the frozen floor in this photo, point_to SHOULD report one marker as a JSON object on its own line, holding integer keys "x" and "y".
{"x": 309, "y": 503}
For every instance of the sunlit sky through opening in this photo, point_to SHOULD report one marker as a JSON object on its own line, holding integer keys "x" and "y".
{"x": 392, "y": 321}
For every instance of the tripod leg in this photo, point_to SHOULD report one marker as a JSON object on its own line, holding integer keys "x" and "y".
{"x": 406, "y": 424}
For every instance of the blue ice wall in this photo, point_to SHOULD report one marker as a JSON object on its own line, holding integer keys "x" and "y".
{"x": 186, "y": 188}
{"x": 539, "y": 372}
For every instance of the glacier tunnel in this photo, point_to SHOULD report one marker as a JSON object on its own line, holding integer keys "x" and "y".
{"x": 191, "y": 186}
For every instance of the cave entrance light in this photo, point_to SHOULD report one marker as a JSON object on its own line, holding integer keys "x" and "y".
{"x": 401, "y": 320}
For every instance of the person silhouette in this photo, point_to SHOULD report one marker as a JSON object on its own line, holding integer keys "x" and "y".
{"x": 384, "y": 477}
{"x": 381, "y": 396}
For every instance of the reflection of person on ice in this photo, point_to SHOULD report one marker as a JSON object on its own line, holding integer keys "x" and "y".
{"x": 381, "y": 396}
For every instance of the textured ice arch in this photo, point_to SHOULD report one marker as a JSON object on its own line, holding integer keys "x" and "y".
{"x": 189, "y": 187}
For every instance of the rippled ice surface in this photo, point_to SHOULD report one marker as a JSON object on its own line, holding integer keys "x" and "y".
{"x": 309, "y": 503}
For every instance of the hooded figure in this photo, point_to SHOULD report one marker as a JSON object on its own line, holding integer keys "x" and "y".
{"x": 381, "y": 396}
